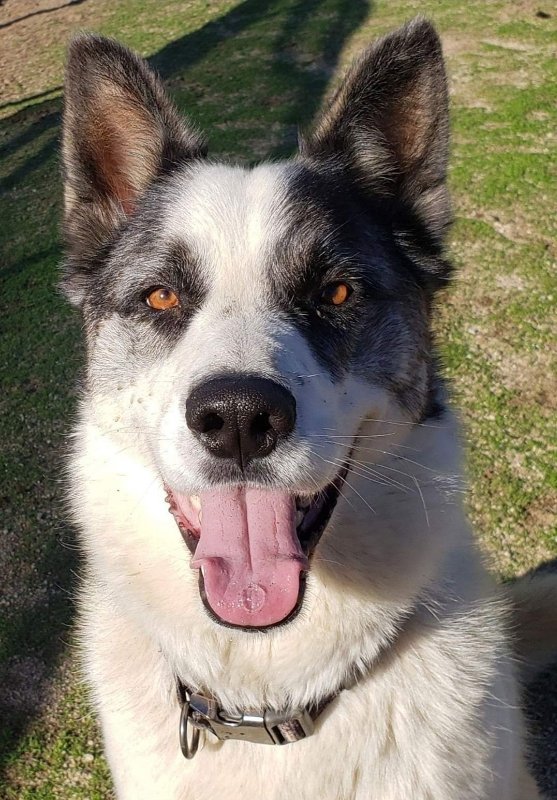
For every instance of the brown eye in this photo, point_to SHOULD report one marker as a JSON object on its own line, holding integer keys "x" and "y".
{"x": 161, "y": 299}
{"x": 335, "y": 294}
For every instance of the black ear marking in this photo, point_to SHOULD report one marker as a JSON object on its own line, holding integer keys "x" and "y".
{"x": 387, "y": 124}
{"x": 120, "y": 131}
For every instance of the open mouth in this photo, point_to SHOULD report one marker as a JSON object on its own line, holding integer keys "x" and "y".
{"x": 252, "y": 548}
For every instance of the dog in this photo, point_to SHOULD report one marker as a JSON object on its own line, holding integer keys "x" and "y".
{"x": 312, "y": 619}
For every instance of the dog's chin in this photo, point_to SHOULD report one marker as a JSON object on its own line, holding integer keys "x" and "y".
{"x": 253, "y": 547}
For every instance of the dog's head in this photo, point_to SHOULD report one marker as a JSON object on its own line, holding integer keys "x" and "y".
{"x": 245, "y": 326}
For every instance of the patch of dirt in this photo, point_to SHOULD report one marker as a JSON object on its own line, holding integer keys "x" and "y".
{"x": 542, "y": 513}
{"x": 458, "y": 44}
{"x": 33, "y": 39}
{"x": 506, "y": 62}
{"x": 513, "y": 223}
{"x": 463, "y": 84}
{"x": 538, "y": 116}
{"x": 511, "y": 283}
{"x": 532, "y": 376}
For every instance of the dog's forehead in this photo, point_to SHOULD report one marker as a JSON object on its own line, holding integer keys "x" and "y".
{"x": 230, "y": 217}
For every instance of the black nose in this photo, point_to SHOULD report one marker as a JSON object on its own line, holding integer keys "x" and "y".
{"x": 240, "y": 417}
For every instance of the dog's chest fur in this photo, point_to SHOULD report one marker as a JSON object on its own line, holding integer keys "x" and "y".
{"x": 408, "y": 728}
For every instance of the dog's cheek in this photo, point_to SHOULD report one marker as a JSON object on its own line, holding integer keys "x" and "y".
{"x": 330, "y": 411}
{"x": 124, "y": 384}
{"x": 395, "y": 353}
{"x": 159, "y": 401}
{"x": 132, "y": 535}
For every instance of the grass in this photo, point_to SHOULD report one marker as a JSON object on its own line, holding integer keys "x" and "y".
{"x": 249, "y": 72}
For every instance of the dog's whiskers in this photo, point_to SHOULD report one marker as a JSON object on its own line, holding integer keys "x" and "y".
{"x": 378, "y": 465}
{"x": 396, "y": 444}
{"x": 312, "y": 375}
{"x": 401, "y": 422}
{"x": 389, "y": 481}
{"x": 418, "y": 487}
{"x": 365, "y": 472}
{"x": 347, "y": 482}
{"x": 397, "y": 456}
{"x": 349, "y": 435}
{"x": 330, "y": 561}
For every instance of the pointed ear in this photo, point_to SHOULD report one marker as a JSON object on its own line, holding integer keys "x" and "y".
{"x": 120, "y": 131}
{"x": 388, "y": 124}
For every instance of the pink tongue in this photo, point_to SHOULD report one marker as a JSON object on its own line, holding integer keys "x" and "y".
{"x": 249, "y": 555}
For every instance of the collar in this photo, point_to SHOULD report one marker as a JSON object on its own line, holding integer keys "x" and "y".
{"x": 201, "y": 714}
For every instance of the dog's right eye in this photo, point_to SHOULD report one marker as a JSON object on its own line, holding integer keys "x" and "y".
{"x": 335, "y": 294}
{"x": 162, "y": 299}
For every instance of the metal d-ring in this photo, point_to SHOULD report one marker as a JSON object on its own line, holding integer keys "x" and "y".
{"x": 189, "y": 749}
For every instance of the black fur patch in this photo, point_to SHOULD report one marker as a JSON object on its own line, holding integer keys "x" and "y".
{"x": 336, "y": 232}
{"x": 137, "y": 264}
{"x": 120, "y": 134}
{"x": 387, "y": 127}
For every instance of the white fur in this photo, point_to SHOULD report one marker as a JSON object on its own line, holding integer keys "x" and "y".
{"x": 434, "y": 714}
{"x": 396, "y": 593}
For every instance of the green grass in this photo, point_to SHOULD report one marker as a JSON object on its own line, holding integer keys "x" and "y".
{"x": 249, "y": 73}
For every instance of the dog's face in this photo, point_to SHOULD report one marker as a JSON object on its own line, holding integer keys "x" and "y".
{"x": 248, "y": 324}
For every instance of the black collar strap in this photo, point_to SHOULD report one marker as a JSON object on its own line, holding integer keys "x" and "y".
{"x": 203, "y": 714}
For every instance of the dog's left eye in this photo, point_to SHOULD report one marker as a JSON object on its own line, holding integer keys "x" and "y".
{"x": 162, "y": 298}
{"x": 335, "y": 294}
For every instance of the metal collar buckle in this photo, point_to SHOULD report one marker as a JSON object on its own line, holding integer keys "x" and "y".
{"x": 203, "y": 714}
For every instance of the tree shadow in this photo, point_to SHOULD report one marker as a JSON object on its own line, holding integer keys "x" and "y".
{"x": 41, "y": 11}
{"x": 248, "y": 77}
{"x": 37, "y": 96}
{"x": 283, "y": 84}
{"x": 540, "y": 699}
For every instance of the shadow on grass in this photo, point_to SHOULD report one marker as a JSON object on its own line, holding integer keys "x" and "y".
{"x": 540, "y": 700}
{"x": 29, "y": 98}
{"x": 249, "y": 78}
{"x": 41, "y": 11}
